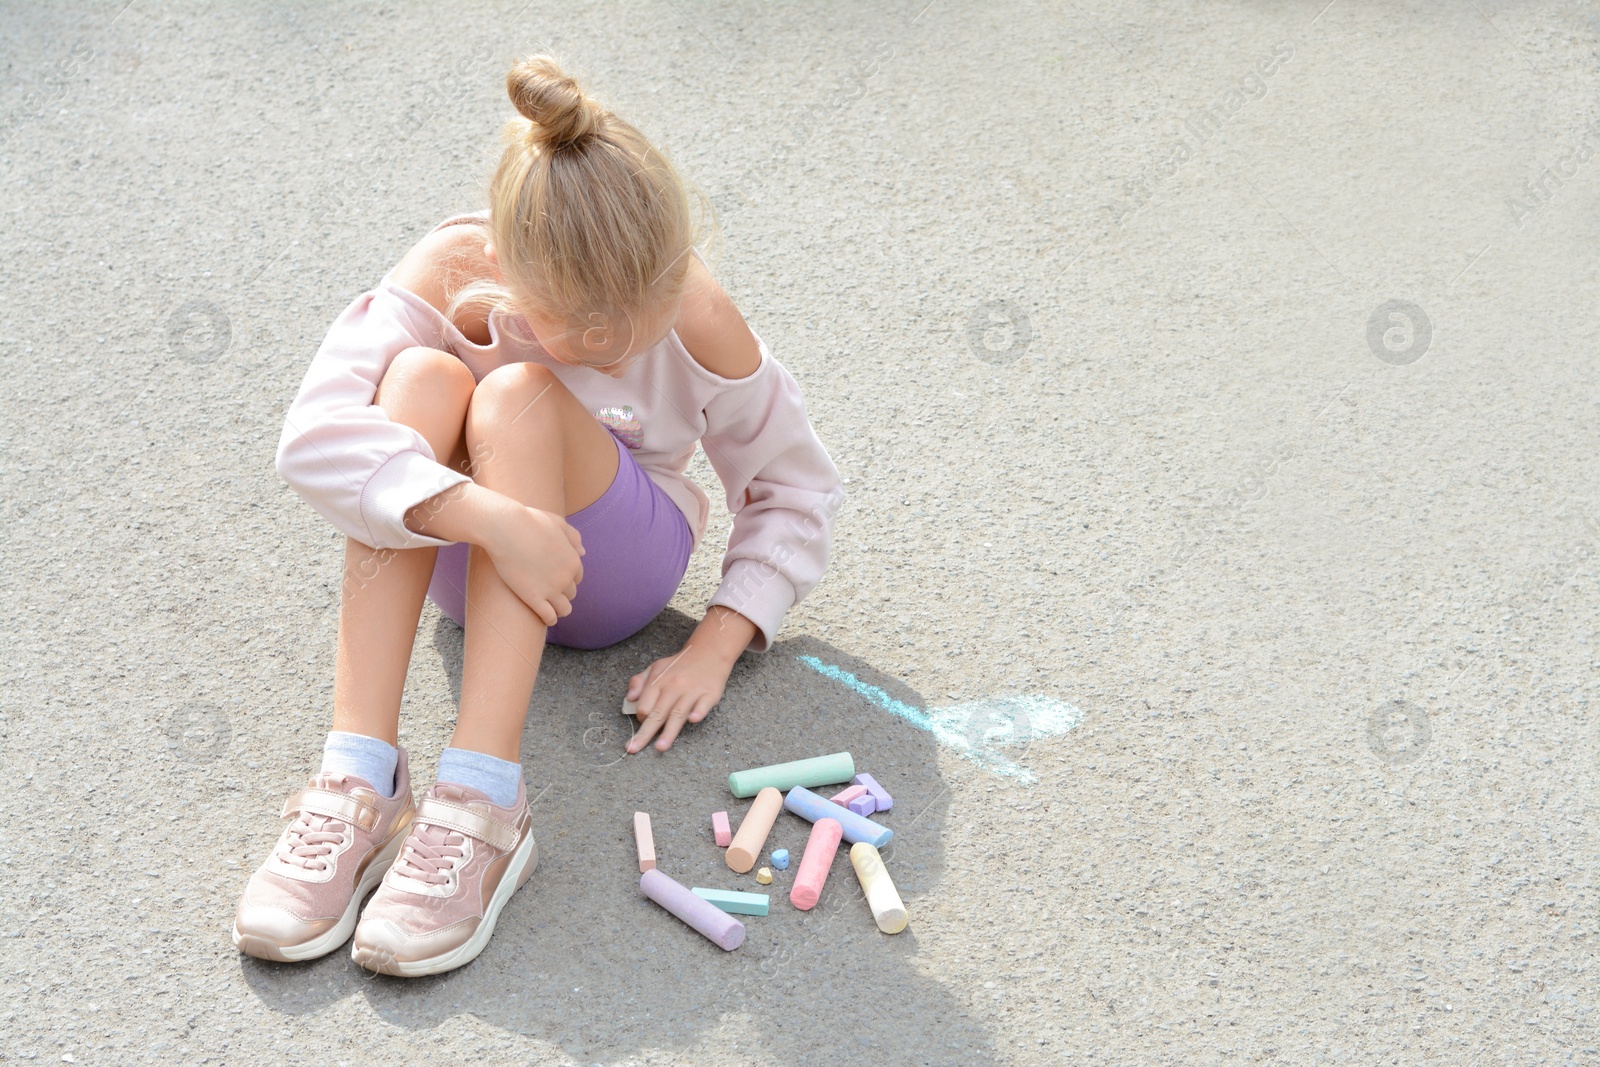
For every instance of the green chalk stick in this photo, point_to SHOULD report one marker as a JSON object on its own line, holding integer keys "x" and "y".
{"x": 734, "y": 903}
{"x": 818, "y": 770}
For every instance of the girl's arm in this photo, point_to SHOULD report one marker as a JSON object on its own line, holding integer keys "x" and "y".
{"x": 339, "y": 450}
{"x": 784, "y": 492}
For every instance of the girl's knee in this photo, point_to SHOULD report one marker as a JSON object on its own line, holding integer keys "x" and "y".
{"x": 429, "y": 369}
{"x": 516, "y": 392}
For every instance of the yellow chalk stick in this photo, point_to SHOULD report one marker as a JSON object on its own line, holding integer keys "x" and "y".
{"x": 764, "y": 876}
{"x": 882, "y": 897}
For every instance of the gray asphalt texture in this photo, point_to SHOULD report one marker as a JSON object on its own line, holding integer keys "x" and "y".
{"x": 1128, "y": 426}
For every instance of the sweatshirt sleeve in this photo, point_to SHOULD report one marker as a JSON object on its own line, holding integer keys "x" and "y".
{"x": 340, "y": 451}
{"x": 782, "y": 489}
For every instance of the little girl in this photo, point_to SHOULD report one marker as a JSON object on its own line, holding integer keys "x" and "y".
{"x": 503, "y": 426}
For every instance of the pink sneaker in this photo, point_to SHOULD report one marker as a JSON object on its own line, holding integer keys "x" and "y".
{"x": 303, "y": 901}
{"x": 437, "y": 905}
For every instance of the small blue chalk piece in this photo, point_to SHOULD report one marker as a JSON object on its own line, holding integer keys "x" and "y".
{"x": 780, "y": 858}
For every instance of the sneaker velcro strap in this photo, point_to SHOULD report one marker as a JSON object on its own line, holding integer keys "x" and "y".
{"x": 341, "y": 806}
{"x": 463, "y": 820}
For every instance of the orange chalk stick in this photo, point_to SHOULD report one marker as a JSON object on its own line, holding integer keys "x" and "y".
{"x": 752, "y": 836}
{"x": 645, "y": 840}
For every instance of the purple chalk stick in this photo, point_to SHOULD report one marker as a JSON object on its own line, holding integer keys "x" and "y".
{"x": 863, "y": 805}
{"x": 879, "y": 794}
{"x": 720, "y": 928}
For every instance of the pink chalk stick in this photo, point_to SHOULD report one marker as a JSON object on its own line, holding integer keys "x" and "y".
{"x": 720, "y": 827}
{"x": 845, "y": 796}
{"x": 863, "y": 805}
{"x": 813, "y": 872}
{"x": 720, "y": 928}
{"x": 645, "y": 840}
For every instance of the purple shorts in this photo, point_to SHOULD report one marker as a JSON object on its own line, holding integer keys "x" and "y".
{"x": 636, "y": 549}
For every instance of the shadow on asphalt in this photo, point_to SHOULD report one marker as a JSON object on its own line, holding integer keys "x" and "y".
{"x": 581, "y": 959}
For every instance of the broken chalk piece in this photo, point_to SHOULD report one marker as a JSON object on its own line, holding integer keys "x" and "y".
{"x": 882, "y": 897}
{"x": 814, "y": 863}
{"x": 719, "y": 827}
{"x": 630, "y": 708}
{"x": 863, "y": 805}
{"x": 780, "y": 858}
{"x": 753, "y": 830}
{"x": 845, "y": 796}
{"x": 764, "y": 876}
{"x": 720, "y": 928}
{"x": 875, "y": 791}
{"x": 818, "y": 770}
{"x": 806, "y": 804}
{"x": 734, "y": 903}
{"x": 645, "y": 840}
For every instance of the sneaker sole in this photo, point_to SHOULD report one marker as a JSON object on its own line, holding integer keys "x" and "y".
{"x": 262, "y": 949}
{"x": 525, "y": 859}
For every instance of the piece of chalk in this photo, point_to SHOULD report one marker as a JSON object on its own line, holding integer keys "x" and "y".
{"x": 719, "y": 828}
{"x": 863, "y": 805}
{"x": 630, "y": 708}
{"x": 734, "y": 903}
{"x": 645, "y": 840}
{"x": 780, "y": 858}
{"x": 845, "y": 796}
{"x": 806, "y": 804}
{"x": 882, "y": 897}
{"x": 722, "y": 929}
{"x": 814, "y": 863}
{"x": 753, "y": 830}
{"x": 764, "y": 876}
{"x": 818, "y": 770}
{"x": 876, "y": 791}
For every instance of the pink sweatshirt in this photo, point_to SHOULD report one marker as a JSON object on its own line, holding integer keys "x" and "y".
{"x": 363, "y": 472}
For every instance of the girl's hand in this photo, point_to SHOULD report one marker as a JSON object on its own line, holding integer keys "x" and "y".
{"x": 537, "y": 555}
{"x": 675, "y": 690}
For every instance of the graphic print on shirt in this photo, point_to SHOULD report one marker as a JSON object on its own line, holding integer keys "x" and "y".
{"x": 620, "y": 421}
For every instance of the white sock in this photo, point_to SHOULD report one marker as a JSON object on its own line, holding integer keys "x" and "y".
{"x": 362, "y": 757}
{"x": 492, "y": 776}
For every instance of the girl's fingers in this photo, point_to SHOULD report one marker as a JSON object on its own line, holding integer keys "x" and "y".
{"x": 675, "y": 718}
{"x": 651, "y": 721}
{"x": 702, "y": 708}
{"x": 647, "y": 730}
{"x": 641, "y": 736}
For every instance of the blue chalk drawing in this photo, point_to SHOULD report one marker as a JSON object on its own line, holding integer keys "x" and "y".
{"x": 977, "y": 729}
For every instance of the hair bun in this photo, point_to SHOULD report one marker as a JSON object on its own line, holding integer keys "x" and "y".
{"x": 551, "y": 99}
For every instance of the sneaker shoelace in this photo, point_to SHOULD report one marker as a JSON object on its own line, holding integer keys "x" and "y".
{"x": 310, "y": 840}
{"x": 430, "y": 854}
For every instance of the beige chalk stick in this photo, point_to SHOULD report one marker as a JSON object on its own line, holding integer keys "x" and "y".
{"x": 753, "y": 831}
{"x": 630, "y": 708}
{"x": 645, "y": 840}
{"x": 887, "y": 908}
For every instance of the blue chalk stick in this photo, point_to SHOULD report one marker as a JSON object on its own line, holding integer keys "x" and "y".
{"x": 734, "y": 903}
{"x": 874, "y": 790}
{"x": 810, "y": 807}
{"x": 780, "y": 858}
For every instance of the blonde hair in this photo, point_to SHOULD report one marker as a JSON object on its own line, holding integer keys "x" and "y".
{"x": 585, "y": 214}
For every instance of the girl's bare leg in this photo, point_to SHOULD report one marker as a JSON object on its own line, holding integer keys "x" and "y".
{"x": 381, "y": 597}
{"x": 533, "y": 441}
